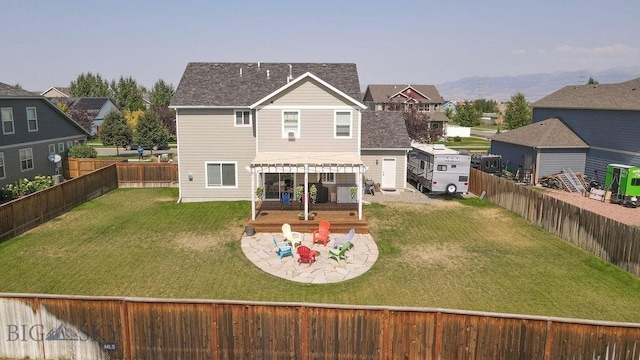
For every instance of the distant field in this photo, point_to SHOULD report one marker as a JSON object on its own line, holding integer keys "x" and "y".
{"x": 455, "y": 254}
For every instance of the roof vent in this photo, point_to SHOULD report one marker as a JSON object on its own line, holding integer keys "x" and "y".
{"x": 258, "y": 64}
{"x": 240, "y": 72}
{"x": 268, "y": 74}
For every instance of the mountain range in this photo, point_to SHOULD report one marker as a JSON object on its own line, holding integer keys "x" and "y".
{"x": 533, "y": 86}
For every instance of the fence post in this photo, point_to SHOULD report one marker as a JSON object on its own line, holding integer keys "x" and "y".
{"x": 126, "y": 329}
{"x": 304, "y": 336}
{"x": 437, "y": 342}
{"x": 214, "y": 331}
{"x": 548, "y": 341}
{"x": 385, "y": 335}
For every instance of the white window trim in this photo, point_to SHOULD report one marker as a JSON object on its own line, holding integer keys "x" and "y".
{"x": 335, "y": 124}
{"x": 285, "y": 133}
{"x": 35, "y": 119}
{"x": 13, "y": 124}
{"x": 327, "y": 182}
{"x": 52, "y": 146}
{"x": 60, "y": 148}
{"x": 32, "y": 163}
{"x": 69, "y": 144}
{"x": 206, "y": 175}
{"x": 3, "y": 167}
{"x": 235, "y": 115}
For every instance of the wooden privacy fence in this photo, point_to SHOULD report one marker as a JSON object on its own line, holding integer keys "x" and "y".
{"x": 606, "y": 238}
{"x": 27, "y": 212}
{"x": 75, "y": 167}
{"x": 51, "y": 327}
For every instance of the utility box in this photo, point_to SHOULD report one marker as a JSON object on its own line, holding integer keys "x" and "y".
{"x": 624, "y": 183}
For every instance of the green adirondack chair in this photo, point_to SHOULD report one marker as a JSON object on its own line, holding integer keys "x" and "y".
{"x": 340, "y": 252}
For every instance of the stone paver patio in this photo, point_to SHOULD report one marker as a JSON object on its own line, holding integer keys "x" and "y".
{"x": 260, "y": 249}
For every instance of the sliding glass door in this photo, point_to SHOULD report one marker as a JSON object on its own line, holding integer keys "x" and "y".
{"x": 276, "y": 184}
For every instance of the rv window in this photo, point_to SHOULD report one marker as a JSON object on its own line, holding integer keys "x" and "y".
{"x": 421, "y": 164}
{"x": 487, "y": 164}
{"x": 442, "y": 167}
{"x": 453, "y": 166}
{"x": 635, "y": 182}
{"x": 494, "y": 163}
{"x": 463, "y": 178}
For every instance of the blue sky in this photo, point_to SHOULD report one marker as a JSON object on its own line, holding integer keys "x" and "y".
{"x": 49, "y": 43}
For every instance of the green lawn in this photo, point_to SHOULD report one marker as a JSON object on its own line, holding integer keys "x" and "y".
{"x": 459, "y": 254}
{"x": 471, "y": 143}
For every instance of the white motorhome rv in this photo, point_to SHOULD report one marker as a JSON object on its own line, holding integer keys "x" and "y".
{"x": 439, "y": 169}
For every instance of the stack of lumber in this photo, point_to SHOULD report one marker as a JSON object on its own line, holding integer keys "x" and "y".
{"x": 565, "y": 180}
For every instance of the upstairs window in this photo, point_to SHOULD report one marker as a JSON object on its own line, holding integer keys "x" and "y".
{"x": 290, "y": 124}
{"x": 26, "y": 159}
{"x": 7, "y": 121}
{"x": 243, "y": 118}
{"x": 60, "y": 148}
{"x": 343, "y": 124}
{"x": 52, "y": 148}
{"x": 32, "y": 119}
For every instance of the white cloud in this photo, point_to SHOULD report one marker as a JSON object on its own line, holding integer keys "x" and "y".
{"x": 616, "y": 49}
{"x": 518, "y": 52}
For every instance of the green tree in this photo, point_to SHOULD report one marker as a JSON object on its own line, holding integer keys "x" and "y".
{"x": 150, "y": 131}
{"x": 486, "y": 106}
{"x": 518, "y": 112}
{"x": 115, "y": 131}
{"x": 467, "y": 115}
{"x": 127, "y": 94}
{"x": 592, "y": 81}
{"x": 89, "y": 85}
{"x": 161, "y": 94}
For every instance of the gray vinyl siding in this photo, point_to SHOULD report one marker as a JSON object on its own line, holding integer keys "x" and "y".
{"x": 316, "y": 124}
{"x": 374, "y": 171}
{"x": 611, "y": 134}
{"x": 597, "y": 160}
{"x": 513, "y": 155}
{"x": 41, "y": 163}
{"x": 552, "y": 161}
{"x": 51, "y": 124}
{"x": 208, "y": 135}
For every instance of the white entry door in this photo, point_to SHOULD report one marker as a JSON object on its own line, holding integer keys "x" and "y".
{"x": 388, "y": 174}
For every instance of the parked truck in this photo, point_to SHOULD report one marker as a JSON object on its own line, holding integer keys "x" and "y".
{"x": 624, "y": 183}
{"x": 438, "y": 169}
{"x": 491, "y": 164}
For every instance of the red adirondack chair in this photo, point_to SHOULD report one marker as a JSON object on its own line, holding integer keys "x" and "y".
{"x": 305, "y": 255}
{"x": 321, "y": 236}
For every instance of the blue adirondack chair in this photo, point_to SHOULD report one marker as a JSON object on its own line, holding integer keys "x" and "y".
{"x": 283, "y": 249}
{"x": 286, "y": 200}
{"x": 343, "y": 239}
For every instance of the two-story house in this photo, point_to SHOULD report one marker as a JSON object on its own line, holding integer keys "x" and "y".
{"x": 272, "y": 125}
{"x": 423, "y": 98}
{"x": 604, "y": 116}
{"x": 32, "y": 129}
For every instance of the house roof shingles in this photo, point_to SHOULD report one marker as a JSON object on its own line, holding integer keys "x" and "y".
{"x": 619, "y": 96}
{"x": 11, "y": 91}
{"x": 242, "y": 84}
{"x": 382, "y": 93}
{"x": 90, "y": 103}
{"x": 550, "y": 133}
{"x": 384, "y": 130}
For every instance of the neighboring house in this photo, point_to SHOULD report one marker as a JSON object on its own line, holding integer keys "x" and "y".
{"x": 491, "y": 119}
{"x": 542, "y": 148}
{"x": 385, "y": 144}
{"x": 449, "y": 105}
{"x": 274, "y": 125}
{"x": 97, "y": 108}
{"x": 56, "y": 92}
{"x": 423, "y": 98}
{"x": 32, "y": 129}
{"x": 605, "y": 116}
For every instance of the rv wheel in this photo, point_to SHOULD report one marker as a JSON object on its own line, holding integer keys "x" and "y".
{"x": 451, "y": 189}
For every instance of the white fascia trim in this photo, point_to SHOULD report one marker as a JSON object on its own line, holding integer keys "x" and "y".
{"x": 44, "y": 141}
{"x": 411, "y": 87}
{"x": 301, "y": 78}
{"x": 209, "y": 107}
{"x": 387, "y": 149}
{"x": 305, "y": 107}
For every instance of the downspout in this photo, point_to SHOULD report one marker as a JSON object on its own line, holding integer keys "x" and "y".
{"x": 359, "y": 184}
{"x": 179, "y": 162}
{"x": 305, "y": 198}
{"x": 253, "y": 195}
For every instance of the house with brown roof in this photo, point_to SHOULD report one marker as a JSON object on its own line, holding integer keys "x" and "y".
{"x": 406, "y": 97}
{"x": 278, "y": 126}
{"x": 542, "y": 148}
{"x": 605, "y": 116}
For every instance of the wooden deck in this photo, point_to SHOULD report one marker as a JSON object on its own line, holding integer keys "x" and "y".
{"x": 342, "y": 217}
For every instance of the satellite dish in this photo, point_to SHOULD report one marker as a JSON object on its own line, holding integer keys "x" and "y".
{"x": 54, "y": 158}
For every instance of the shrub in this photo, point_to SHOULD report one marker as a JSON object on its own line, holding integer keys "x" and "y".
{"x": 24, "y": 187}
{"x": 457, "y": 139}
{"x": 82, "y": 151}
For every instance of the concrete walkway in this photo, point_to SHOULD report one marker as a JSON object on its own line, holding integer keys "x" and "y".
{"x": 261, "y": 250}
